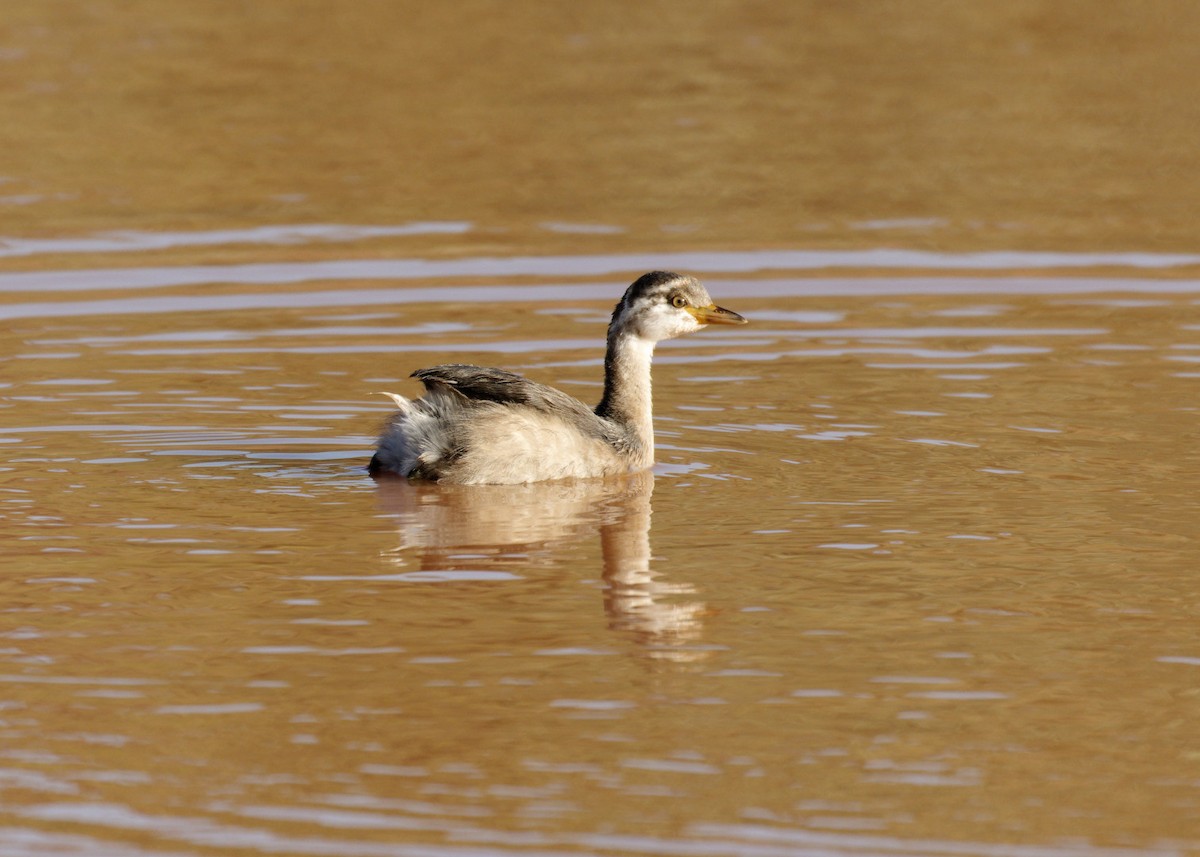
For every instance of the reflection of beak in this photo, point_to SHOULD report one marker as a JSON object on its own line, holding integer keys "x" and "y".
{"x": 713, "y": 314}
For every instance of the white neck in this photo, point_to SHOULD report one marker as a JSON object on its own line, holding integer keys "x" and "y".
{"x": 627, "y": 395}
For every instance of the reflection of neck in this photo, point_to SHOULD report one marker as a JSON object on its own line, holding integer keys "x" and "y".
{"x": 633, "y": 599}
{"x": 627, "y": 396}
{"x": 625, "y": 542}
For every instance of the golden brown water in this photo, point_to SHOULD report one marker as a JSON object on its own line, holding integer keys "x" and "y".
{"x": 914, "y": 572}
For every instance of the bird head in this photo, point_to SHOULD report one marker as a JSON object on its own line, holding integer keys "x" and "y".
{"x": 662, "y": 305}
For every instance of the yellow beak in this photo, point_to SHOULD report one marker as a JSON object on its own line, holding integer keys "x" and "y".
{"x": 713, "y": 314}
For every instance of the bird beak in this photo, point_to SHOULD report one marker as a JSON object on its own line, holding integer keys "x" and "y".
{"x": 713, "y": 314}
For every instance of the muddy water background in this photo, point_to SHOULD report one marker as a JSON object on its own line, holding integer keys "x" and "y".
{"x": 915, "y": 572}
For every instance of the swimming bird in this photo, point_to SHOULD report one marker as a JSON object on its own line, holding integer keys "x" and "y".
{"x": 480, "y": 426}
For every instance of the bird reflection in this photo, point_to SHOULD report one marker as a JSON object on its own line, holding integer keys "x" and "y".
{"x": 508, "y": 527}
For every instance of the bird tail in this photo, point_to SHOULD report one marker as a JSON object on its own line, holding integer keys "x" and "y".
{"x": 402, "y": 403}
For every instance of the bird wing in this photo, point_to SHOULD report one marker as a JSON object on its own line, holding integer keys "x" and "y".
{"x": 480, "y": 384}
{"x": 476, "y": 382}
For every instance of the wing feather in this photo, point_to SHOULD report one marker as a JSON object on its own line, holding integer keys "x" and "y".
{"x": 480, "y": 384}
{"x": 476, "y": 382}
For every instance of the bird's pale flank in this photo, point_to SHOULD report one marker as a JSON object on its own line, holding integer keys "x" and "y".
{"x": 477, "y": 425}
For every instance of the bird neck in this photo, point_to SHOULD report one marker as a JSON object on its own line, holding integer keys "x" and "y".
{"x": 627, "y": 396}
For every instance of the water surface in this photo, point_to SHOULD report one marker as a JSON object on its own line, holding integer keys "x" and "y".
{"x": 912, "y": 574}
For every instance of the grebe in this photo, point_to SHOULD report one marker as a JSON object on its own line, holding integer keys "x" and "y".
{"x": 481, "y": 426}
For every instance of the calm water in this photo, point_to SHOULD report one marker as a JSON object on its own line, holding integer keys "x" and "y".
{"x": 914, "y": 574}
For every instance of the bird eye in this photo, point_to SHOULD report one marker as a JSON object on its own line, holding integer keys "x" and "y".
{"x": 679, "y": 301}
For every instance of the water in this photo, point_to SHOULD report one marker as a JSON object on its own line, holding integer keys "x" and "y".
{"x": 912, "y": 574}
